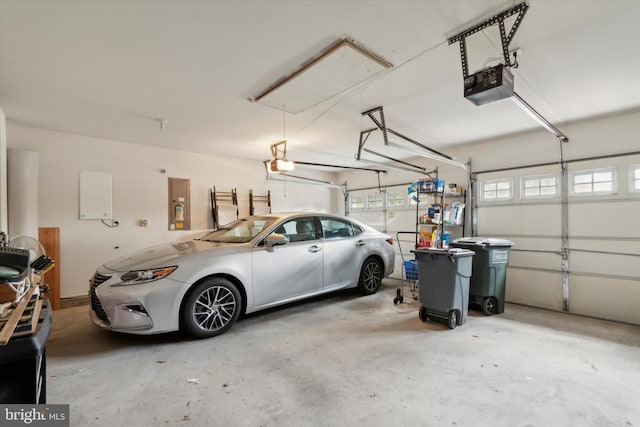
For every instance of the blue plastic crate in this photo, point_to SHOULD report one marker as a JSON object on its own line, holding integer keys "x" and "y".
{"x": 411, "y": 269}
{"x": 431, "y": 185}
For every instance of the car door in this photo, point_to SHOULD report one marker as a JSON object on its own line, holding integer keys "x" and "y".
{"x": 344, "y": 251}
{"x": 290, "y": 270}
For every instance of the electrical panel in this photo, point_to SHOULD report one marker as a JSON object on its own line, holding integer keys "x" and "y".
{"x": 179, "y": 204}
{"x": 489, "y": 85}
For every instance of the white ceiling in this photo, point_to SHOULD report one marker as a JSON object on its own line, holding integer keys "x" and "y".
{"x": 114, "y": 69}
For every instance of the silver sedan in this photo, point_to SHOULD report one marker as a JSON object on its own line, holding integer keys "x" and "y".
{"x": 202, "y": 286}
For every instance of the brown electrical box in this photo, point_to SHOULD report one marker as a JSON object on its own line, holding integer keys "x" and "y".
{"x": 179, "y": 204}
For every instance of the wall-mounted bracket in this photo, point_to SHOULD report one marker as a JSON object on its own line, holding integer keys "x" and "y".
{"x": 519, "y": 9}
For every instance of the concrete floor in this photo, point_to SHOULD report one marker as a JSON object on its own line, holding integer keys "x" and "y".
{"x": 346, "y": 360}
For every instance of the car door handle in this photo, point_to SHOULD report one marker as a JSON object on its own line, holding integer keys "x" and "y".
{"x": 360, "y": 243}
{"x": 314, "y": 249}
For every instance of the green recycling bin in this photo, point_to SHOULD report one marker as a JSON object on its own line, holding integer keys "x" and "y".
{"x": 443, "y": 280}
{"x": 487, "y": 283}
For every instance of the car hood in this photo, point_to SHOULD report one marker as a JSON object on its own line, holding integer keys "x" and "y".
{"x": 167, "y": 254}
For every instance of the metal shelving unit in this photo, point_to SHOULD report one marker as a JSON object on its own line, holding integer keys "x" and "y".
{"x": 440, "y": 197}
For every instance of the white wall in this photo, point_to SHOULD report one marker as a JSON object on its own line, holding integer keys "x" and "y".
{"x": 139, "y": 191}
{"x": 22, "y": 193}
{"x": 611, "y": 222}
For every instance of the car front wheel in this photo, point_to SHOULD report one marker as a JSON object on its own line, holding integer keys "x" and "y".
{"x": 211, "y": 308}
{"x": 370, "y": 277}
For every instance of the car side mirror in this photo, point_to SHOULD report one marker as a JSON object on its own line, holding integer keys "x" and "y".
{"x": 276, "y": 239}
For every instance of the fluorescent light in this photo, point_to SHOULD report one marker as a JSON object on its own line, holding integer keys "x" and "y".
{"x": 538, "y": 117}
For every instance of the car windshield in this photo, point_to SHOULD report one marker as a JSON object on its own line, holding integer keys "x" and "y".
{"x": 240, "y": 231}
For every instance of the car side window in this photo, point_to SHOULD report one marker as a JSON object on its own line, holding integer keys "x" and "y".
{"x": 299, "y": 229}
{"x": 336, "y": 228}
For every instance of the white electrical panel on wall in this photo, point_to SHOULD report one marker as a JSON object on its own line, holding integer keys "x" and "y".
{"x": 95, "y": 195}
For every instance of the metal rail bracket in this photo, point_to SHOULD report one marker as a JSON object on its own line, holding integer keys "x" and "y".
{"x": 519, "y": 9}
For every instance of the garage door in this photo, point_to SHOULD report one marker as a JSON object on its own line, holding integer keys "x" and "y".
{"x": 575, "y": 232}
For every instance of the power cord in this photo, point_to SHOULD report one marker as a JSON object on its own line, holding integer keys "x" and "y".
{"x": 113, "y": 224}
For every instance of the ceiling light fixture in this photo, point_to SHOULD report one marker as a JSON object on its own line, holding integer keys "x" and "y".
{"x": 280, "y": 164}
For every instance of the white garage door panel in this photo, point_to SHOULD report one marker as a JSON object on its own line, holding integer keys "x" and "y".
{"x": 547, "y": 261}
{"x": 492, "y": 221}
{"x": 500, "y": 220}
{"x": 604, "y": 219}
{"x": 618, "y": 246}
{"x": 535, "y": 243}
{"x": 605, "y": 298}
{"x": 536, "y": 288}
{"x": 401, "y": 220}
{"x": 607, "y": 264}
{"x": 374, "y": 219}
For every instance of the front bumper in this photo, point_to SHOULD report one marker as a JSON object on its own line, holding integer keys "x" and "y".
{"x": 125, "y": 319}
{"x": 139, "y": 309}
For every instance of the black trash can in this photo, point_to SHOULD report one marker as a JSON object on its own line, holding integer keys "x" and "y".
{"x": 443, "y": 281}
{"x": 487, "y": 284}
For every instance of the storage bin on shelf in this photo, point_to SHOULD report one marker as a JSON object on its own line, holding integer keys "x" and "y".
{"x": 425, "y": 186}
{"x": 431, "y": 185}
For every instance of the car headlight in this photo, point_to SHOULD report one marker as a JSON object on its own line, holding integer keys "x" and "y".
{"x": 139, "y": 277}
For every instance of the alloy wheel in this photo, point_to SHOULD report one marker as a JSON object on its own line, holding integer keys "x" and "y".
{"x": 214, "y": 308}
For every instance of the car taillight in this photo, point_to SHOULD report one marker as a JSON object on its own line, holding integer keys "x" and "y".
{"x": 390, "y": 241}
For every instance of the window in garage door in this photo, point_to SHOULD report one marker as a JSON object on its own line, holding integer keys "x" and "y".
{"x": 395, "y": 200}
{"x": 496, "y": 190}
{"x": 634, "y": 179}
{"x": 357, "y": 202}
{"x": 593, "y": 182}
{"x": 539, "y": 186}
{"x": 374, "y": 201}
